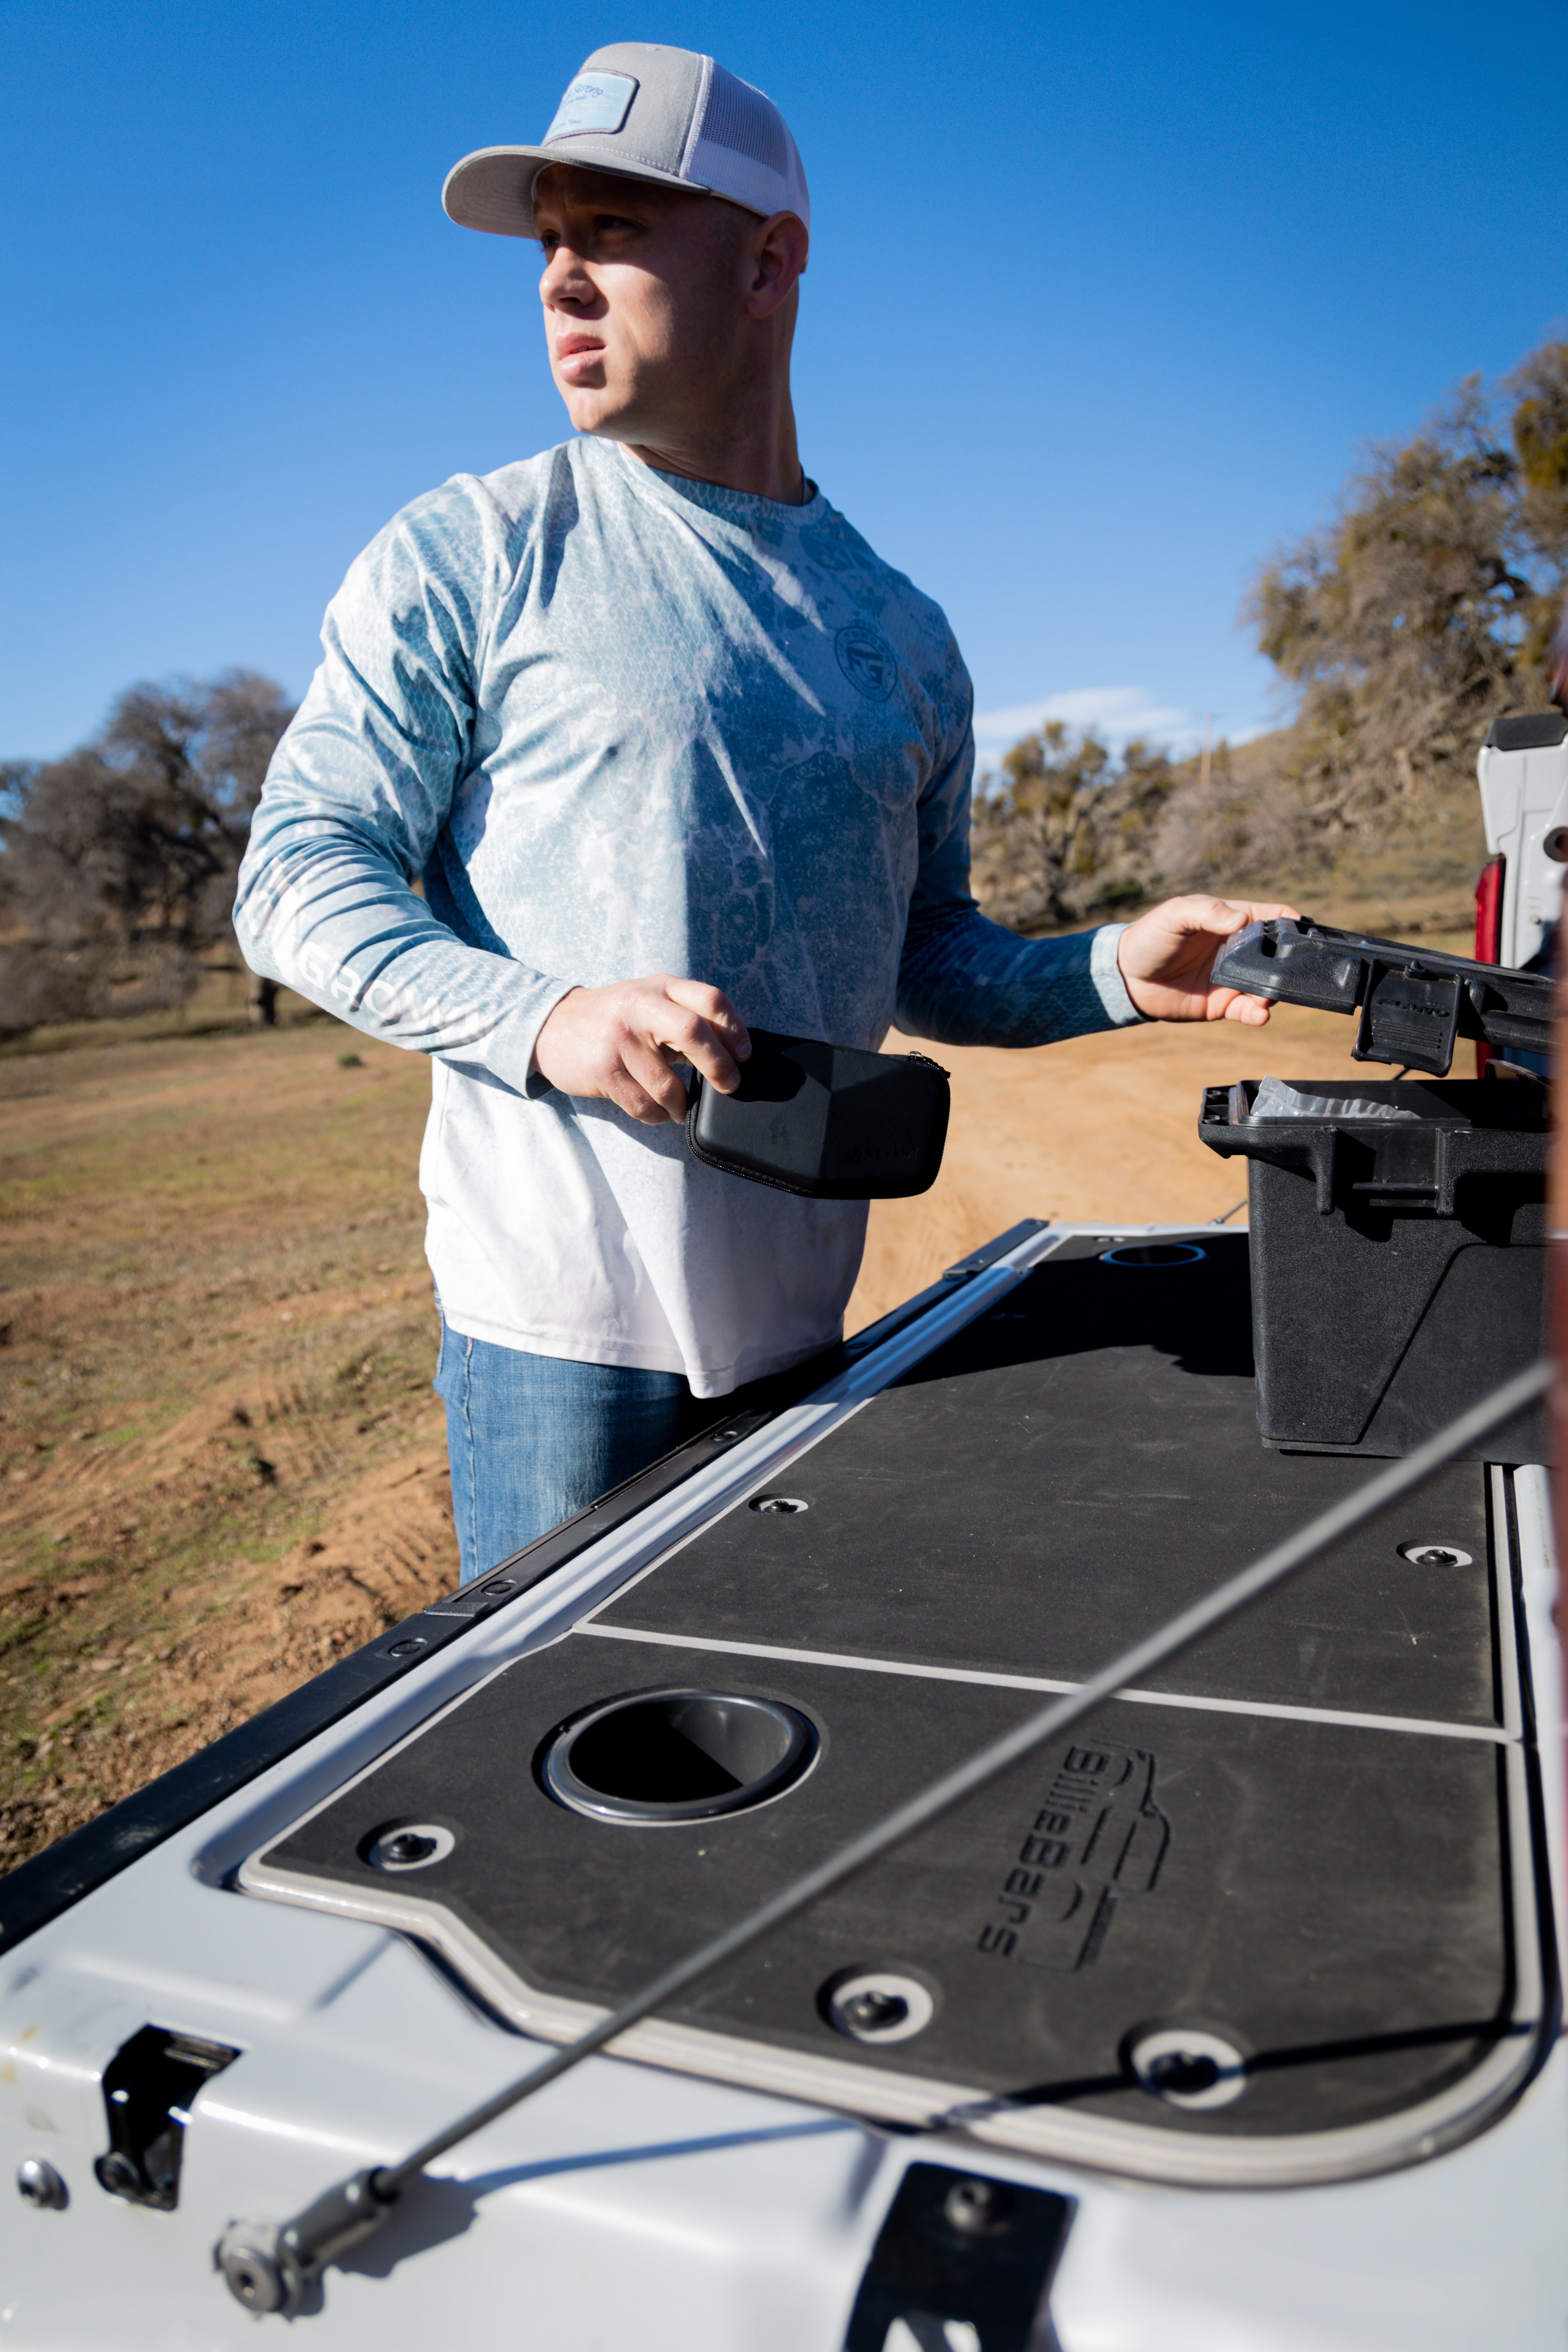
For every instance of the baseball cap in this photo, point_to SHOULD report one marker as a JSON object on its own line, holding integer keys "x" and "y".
{"x": 652, "y": 114}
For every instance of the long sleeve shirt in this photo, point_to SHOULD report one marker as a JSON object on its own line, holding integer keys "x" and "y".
{"x": 621, "y": 723}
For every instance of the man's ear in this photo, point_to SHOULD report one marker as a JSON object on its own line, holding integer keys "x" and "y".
{"x": 778, "y": 257}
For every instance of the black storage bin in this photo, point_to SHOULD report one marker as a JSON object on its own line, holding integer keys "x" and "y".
{"x": 1398, "y": 1266}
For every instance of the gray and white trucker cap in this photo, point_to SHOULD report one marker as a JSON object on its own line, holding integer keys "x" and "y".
{"x": 652, "y": 114}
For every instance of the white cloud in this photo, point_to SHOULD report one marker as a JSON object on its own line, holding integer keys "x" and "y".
{"x": 1115, "y": 713}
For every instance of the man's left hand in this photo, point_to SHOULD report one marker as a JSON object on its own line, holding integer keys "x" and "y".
{"x": 1167, "y": 955}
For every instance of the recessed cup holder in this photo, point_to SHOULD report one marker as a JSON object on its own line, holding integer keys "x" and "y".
{"x": 1153, "y": 1253}
{"x": 661, "y": 1757}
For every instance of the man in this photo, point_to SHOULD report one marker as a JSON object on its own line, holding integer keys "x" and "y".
{"x": 672, "y": 751}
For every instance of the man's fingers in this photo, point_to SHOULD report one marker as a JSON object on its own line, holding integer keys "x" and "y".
{"x": 717, "y": 1066}
{"x": 711, "y": 1005}
{"x": 1166, "y": 958}
{"x": 648, "y": 1069}
{"x": 1223, "y": 916}
{"x": 623, "y": 1090}
{"x": 1264, "y": 911}
{"x": 684, "y": 1038}
{"x": 713, "y": 1041}
{"x": 618, "y": 1043}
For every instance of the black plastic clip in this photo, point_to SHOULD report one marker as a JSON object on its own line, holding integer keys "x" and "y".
{"x": 957, "y": 2248}
{"x": 149, "y": 2087}
{"x": 1409, "y": 1014}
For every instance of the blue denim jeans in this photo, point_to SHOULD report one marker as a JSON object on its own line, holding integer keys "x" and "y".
{"x": 534, "y": 1438}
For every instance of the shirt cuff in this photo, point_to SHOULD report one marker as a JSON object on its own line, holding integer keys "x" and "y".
{"x": 510, "y": 1056}
{"x": 1106, "y": 974}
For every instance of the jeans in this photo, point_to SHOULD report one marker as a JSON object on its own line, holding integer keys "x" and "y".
{"x": 533, "y": 1438}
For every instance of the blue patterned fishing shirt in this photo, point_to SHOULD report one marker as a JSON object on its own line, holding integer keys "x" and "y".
{"x": 621, "y": 723}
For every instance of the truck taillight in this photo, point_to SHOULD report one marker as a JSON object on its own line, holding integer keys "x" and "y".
{"x": 1488, "y": 933}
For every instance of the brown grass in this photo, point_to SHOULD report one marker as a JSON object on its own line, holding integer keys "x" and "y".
{"x": 222, "y": 1461}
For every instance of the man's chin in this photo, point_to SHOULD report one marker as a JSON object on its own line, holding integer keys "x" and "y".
{"x": 604, "y": 425}
{"x": 596, "y": 412}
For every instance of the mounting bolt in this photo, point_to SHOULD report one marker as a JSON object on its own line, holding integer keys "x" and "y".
{"x": 255, "y": 2270}
{"x": 41, "y": 2185}
{"x": 877, "y": 2005}
{"x": 1188, "y": 2067}
{"x": 406, "y": 1649}
{"x": 977, "y": 2208}
{"x": 873, "y": 2013}
{"x": 118, "y": 2175}
{"x": 408, "y": 1847}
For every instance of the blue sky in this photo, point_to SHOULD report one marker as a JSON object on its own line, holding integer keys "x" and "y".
{"x": 1103, "y": 301}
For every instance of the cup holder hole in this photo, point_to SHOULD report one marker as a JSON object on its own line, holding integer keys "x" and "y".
{"x": 677, "y": 1756}
{"x": 1153, "y": 1253}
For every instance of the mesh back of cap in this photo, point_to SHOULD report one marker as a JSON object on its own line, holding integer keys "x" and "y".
{"x": 740, "y": 147}
{"x": 740, "y": 117}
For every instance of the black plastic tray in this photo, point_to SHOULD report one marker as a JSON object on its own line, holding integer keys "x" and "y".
{"x": 1414, "y": 1002}
{"x": 1398, "y": 1266}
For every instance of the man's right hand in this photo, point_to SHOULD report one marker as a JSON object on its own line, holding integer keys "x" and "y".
{"x": 616, "y": 1045}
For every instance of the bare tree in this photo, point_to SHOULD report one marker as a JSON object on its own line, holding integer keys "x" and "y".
{"x": 120, "y": 859}
{"x": 1067, "y": 831}
{"x": 1424, "y": 610}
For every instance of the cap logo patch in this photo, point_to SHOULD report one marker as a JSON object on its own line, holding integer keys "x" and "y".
{"x": 596, "y": 101}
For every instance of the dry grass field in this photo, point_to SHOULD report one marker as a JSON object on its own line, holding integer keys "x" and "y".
{"x": 221, "y": 1463}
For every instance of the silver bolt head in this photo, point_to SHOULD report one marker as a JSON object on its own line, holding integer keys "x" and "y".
{"x": 41, "y": 2185}
{"x": 256, "y": 2271}
{"x": 976, "y": 2209}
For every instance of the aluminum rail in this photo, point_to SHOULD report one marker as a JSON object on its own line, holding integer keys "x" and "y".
{"x": 268, "y": 2268}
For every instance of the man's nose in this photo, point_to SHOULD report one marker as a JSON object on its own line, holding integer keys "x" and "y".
{"x": 564, "y": 281}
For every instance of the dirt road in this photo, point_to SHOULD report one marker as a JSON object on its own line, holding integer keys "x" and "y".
{"x": 221, "y": 1464}
{"x": 1100, "y": 1128}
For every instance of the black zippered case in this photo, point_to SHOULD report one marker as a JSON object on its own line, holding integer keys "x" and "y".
{"x": 828, "y": 1122}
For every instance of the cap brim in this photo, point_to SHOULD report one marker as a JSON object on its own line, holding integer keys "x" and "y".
{"x": 493, "y": 188}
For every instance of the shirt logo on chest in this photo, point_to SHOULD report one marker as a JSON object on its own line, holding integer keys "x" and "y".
{"x": 867, "y": 661}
